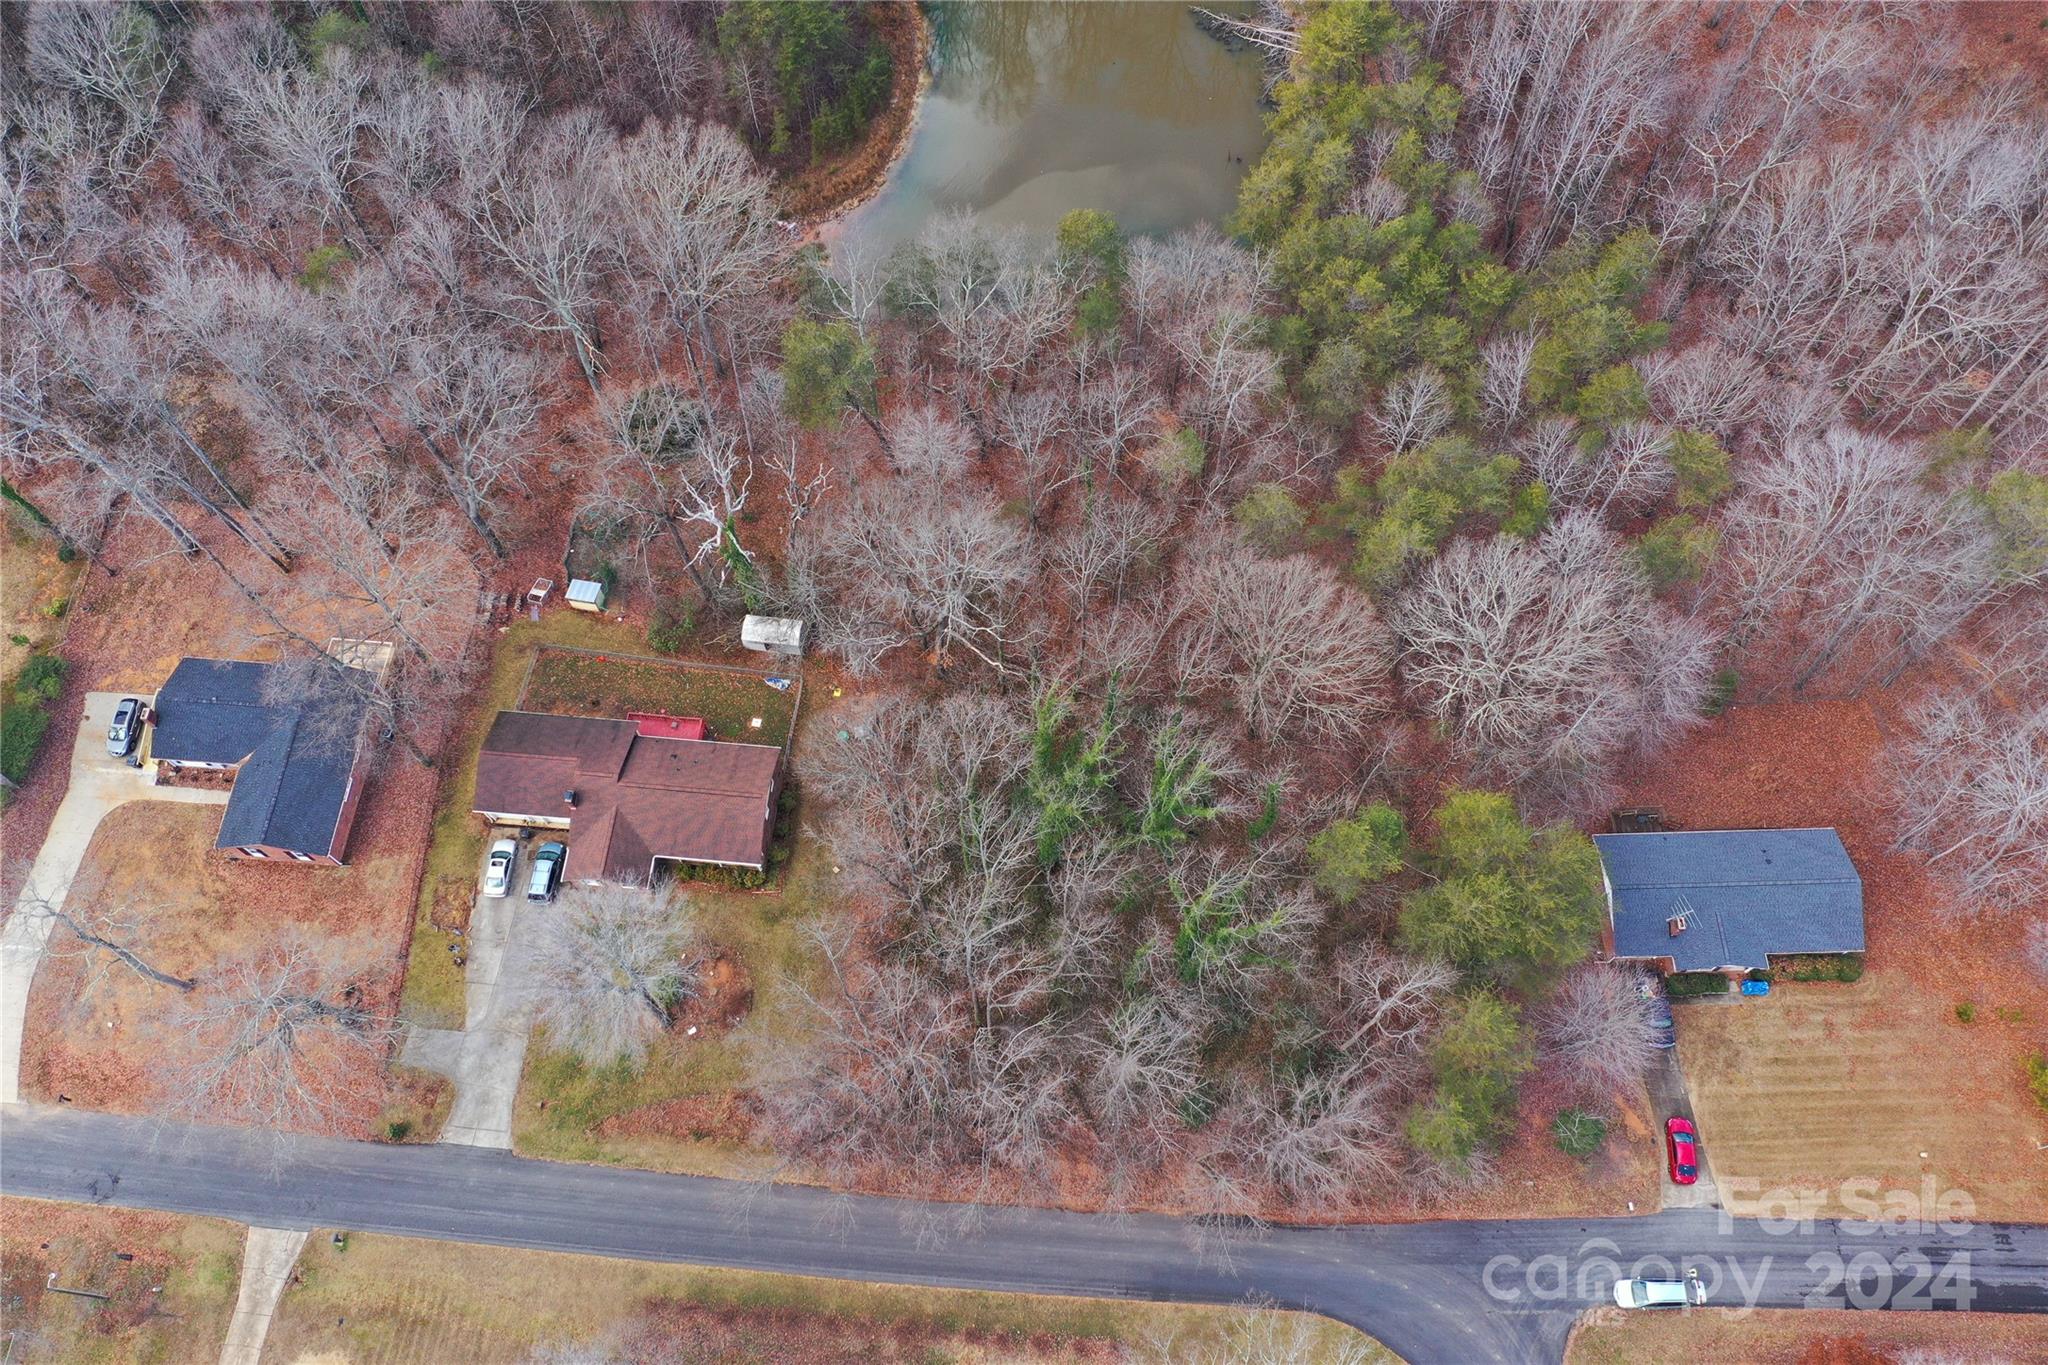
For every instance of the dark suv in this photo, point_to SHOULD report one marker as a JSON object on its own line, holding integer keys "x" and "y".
{"x": 126, "y": 729}
{"x": 547, "y": 871}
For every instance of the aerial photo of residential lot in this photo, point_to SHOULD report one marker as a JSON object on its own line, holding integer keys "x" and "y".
{"x": 1023, "y": 681}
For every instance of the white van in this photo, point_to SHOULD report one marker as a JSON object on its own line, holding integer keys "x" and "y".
{"x": 1659, "y": 1293}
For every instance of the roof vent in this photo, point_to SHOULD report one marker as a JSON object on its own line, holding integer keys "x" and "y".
{"x": 569, "y": 798}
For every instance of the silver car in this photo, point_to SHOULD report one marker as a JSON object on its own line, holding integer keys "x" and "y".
{"x": 498, "y": 869}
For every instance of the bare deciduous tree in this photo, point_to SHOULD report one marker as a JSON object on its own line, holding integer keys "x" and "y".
{"x": 1291, "y": 648}
{"x": 1600, "y": 1024}
{"x": 282, "y": 1038}
{"x": 1971, "y": 786}
{"x": 932, "y": 564}
{"x": 608, "y": 965}
{"x": 1414, "y": 409}
{"x": 1548, "y": 659}
{"x": 1838, "y": 546}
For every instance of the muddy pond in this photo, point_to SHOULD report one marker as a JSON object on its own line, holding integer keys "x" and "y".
{"x": 1037, "y": 107}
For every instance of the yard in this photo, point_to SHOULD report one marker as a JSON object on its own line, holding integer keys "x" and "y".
{"x": 398, "y": 1300}
{"x": 729, "y": 700}
{"x": 106, "y": 1048}
{"x": 580, "y": 664}
{"x": 1821, "y": 1083}
{"x": 194, "y": 1262}
{"x": 687, "y": 1108}
{"x": 1610, "y": 1336}
{"x": 35, "y": 591}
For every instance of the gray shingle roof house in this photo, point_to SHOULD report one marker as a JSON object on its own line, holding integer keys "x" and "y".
{"x": 1709, "y": 900}
{"x": 299, "y": 765}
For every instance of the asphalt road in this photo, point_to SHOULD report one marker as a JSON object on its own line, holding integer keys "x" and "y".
{"x": 1459, "y": 1292}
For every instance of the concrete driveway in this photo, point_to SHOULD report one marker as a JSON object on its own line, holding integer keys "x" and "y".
{"x": 486, "y": 1057}
{"x": 97, "y": 784}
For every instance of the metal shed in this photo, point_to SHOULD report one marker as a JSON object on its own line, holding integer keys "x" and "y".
{"x": 773, "y": 634}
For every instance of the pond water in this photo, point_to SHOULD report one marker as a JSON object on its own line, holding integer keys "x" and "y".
{"x": 1037, "y": 107}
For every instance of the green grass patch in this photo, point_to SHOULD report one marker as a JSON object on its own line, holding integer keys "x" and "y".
{"x": 571, "y": 683}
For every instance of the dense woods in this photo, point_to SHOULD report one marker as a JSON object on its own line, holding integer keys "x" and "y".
{"x": 1248, "y": 620}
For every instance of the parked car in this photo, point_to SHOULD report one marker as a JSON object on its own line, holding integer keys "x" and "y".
{"x": 547, "y": 871}
{"x": 1660, "y": 1293}
{"x": 498, "y": 869}
{"x": 1682, "y": 1145}
{"x": 126, "y": 729}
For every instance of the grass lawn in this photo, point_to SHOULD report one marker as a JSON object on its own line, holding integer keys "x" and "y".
{"x": 728, "y": 700}
{"x": 396, "y": 1299}
{"x": 195, "y": 1261}
{"x": 1612, "y": 1336}
{"x": 434, "y": 994}
{"x": 1816, "y": 1084}
{"x": 677, "y": 1112}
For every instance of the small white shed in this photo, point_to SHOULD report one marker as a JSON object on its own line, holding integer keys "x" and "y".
{"x": 773, "y": 634}
{"x": 585, "y": 594}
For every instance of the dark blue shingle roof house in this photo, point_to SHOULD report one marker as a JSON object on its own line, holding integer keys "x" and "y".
{"x": 1709, "y": 900}
{"x": 298, "y": 763}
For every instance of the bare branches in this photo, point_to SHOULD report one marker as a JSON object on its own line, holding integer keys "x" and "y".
{"x": 282, "y": 1038}
{"x": 608, "y": 965}
{"x": 1971, "y": 787}
{"x": 102, "y": 934}
{"x": 1601, "y": 1024}
{"x": 1292, "y": 649}
{"x": 1547, "y": 660}
{"x": 1414, "y": 409}
{"x": 1837, "y": 547}
{"x": 927, "y": 564}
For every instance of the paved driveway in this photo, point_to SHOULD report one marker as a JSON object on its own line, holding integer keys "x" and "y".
{"x": 1670, "y": 1098}
{"x": 96, "y": 785}
{"x": 486, "y": 1057}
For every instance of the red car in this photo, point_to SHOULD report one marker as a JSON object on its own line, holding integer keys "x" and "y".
{"x": 1682, "y": 1141}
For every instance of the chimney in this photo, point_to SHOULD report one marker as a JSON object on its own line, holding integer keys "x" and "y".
{"x": 569, "y": 798}
{"x": 1677, "y": 925}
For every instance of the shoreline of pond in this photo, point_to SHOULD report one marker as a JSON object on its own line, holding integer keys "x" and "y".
{"x": 837, "y": 190}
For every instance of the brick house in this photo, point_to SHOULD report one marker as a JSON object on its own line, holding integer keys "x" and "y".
{"x": 298, "y": 764}
{"x": 634, "y": 793}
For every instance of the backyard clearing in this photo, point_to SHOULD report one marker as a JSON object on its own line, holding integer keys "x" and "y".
{"x": 35, "y": 591}
{"x": 45, "y": 1247}
{"x": 566, "y": 682}
{"x": 401, "y": 1300}
{"x": 115, "y": 1045}
{"x": 1733, "y": 1336}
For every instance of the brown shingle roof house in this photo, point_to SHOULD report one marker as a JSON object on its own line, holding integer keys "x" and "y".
{"x": 628, "y": 797}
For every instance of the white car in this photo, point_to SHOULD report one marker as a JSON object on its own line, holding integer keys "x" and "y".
{"x": 1659, "y": 1293}
{"x": 498, "y": 869}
